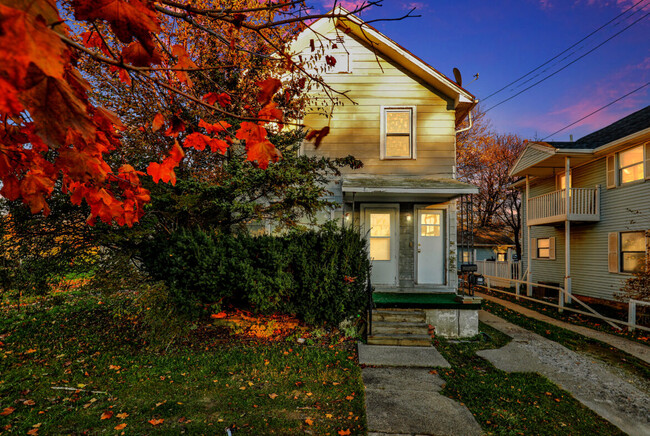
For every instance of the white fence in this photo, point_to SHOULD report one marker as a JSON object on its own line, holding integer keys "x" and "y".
{"x": 631, "y": 312}
{"x": 502, "y": 270}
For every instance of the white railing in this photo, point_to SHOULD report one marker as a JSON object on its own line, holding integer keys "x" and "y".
{"x": 584, "y": 204}
{"x": 504, "y": 270}
{"x": 631, "y": 312}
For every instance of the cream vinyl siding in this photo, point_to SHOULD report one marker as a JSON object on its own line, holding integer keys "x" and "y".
{"x": 624, "y": 209}
{"x": 356, "y": 129}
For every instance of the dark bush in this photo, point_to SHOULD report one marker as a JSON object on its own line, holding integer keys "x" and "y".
{"x": 319, "y": 276}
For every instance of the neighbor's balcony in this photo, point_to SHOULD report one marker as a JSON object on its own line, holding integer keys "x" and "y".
{"x": 584, "y": 205}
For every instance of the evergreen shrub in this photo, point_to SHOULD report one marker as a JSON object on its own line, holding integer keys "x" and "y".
{"x": 318, "y": 275}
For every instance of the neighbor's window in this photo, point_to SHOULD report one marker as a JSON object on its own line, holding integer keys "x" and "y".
{"x": 380, "y": 236}
{"x": 397, "y": 133}
{"x": 543, "y": 248}
{"x": 633, "y": 248}
{"x": 501, "y": 257}
{"x": 630, "y": 164}
{"x": 465, "y": 256}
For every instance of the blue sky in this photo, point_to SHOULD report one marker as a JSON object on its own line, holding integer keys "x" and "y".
{"x": 502, "y": 40}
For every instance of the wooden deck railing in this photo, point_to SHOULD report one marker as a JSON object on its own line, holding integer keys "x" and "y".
{"x": 584, "y": 205}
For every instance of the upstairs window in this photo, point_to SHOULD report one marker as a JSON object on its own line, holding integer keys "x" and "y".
{"x": 631, "y": 165}
{"x": 628, "y": 166}
{"x": 398, "y": 133}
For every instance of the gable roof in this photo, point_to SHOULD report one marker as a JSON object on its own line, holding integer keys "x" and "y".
{"x": 540, "y": 157}
{"x": 636, "y": 122}
{"x": 464, "y": 101}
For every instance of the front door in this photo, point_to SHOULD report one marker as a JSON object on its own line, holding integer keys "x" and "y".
{"x": 381, "y": 225}
{"x": 431, "y": 247}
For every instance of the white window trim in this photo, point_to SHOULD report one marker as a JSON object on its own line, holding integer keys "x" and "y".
{"x": 382, "y": 131}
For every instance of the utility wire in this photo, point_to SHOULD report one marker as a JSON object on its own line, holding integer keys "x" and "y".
{"x": 598, "y": 110}
{"x": 567, "y": 65}
{"x": 569, "y": 48}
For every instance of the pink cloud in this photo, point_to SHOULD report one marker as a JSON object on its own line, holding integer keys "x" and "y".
{"x": 350, "y": 5}
{"x": 594, "y": 97}
{"x": 418, "y": 6}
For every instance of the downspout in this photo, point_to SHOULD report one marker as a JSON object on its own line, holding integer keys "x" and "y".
{"x": 469, "y": 117}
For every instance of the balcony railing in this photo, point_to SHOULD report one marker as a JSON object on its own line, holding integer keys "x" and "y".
{"x": 584, "y": 205}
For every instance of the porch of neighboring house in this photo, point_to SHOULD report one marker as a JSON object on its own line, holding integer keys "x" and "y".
{"x": 410, "y": 224}
{"x": 563, "y": 208}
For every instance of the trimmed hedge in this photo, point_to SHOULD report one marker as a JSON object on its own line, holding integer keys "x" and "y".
{"x": 319, "y": 276}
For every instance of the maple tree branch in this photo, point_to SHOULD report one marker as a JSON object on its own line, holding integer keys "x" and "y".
{"x": 230, "y": 11}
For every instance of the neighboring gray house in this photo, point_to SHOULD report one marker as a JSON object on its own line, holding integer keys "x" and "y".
{"x": 489, "y": 244}
{"x": 593, "y": 239}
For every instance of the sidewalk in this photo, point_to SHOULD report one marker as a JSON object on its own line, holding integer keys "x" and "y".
{"x": 403, "y": 394}
{"x": 617, "y": 400}
{"x": 634, "y": 348}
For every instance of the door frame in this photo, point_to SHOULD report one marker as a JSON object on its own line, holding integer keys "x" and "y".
{"x": 416, "y": 230}
{"x": 394, "y": 247}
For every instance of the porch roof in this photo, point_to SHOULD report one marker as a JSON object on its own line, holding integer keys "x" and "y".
{"x": 415, "y": 187}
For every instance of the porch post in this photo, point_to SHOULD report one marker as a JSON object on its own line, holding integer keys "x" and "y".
{"x": 567, "y": 232}
{"x": 529, "y": 288}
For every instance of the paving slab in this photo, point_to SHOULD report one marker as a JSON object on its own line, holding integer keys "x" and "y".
{"x": 390, "y": 355}
{"x": 592, "y": 383}
{"x": 406, "y": 401}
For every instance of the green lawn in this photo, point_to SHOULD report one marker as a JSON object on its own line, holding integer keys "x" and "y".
{"x": 513, "y": 403}
{"x": 200, "y": 385}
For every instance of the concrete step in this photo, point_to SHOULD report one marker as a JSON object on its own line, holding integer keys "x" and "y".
{"x": 401, "y": 340}
{"x": 396, "y": 315}
{"x": 399, "y": 328}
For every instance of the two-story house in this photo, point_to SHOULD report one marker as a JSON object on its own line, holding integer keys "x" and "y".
{"x": 402, "y": 124}
{"x": 586, "y": 207}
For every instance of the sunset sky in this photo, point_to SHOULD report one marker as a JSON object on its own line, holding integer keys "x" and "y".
{"x": 502, "y": 40}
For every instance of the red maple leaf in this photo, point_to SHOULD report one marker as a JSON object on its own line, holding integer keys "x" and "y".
{"x": 138, "y": 55}
{"x": 129, "y": 19}
{"x": 318, "y": 135}
{"x": 218, "y": 127}
{"x": 268, "y": 88}
{"x": 165, "y": 170}
{"x": 184, "y": 63}
{"x": 212, "y": 97}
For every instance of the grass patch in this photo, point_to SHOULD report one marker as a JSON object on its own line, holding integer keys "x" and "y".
{"x": 573, "y": 341}
{"x": 637, "y": 335}
{"x": 201, "y": 385}
{"x": 513, "y": 403}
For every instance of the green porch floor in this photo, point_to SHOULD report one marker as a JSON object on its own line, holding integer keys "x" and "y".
{"x": 405, "y": 300}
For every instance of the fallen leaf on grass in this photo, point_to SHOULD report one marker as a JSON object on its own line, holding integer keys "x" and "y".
{"x": 114, "y": 367}
{"x": 349, "y": 398}
{"x": 218, "y": 315}
{"x": 33, "y": 431}
{"x": 7, "y": 411}
{"x": 29, "y": 402}
{"x": 156, "y": 421}
{"x": 344, "y": 432}
{"x": 122, "y": 415}
{"x": 309, "y": 421}
{"x": 30, "y": 351}
{"x": 328, "y": 415}
{"x": 273, "y": 396}
{"x": 120, "y": 426}
{"x": 107, "y": 415}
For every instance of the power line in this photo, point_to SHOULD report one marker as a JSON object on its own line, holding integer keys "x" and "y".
{"x": 566, "y": 50}
{"x": 597, "y": 110}
{"x": 567, "y": 65}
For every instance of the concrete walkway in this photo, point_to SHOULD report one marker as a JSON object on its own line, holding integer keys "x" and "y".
{"x": 636, "y": 349}
{"x": 592, "y": 383}
{"x": 402, "y": 395}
